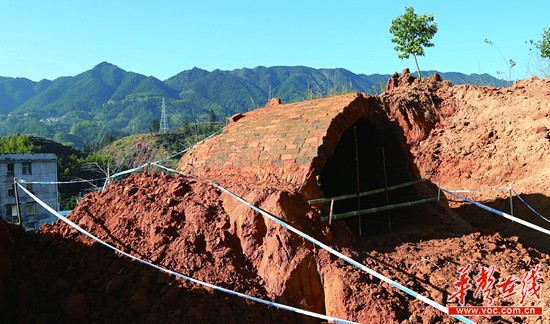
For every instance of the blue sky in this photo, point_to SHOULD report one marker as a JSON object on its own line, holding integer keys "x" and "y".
{"x": 48, "y": 39}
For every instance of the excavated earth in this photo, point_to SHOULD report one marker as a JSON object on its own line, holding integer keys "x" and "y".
{"x": 459, "y": 137}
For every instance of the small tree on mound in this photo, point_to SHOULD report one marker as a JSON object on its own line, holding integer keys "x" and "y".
{"x": 544, "y": 44}
{"x": 412, "y": 33}
{"x": 543, "y": 48}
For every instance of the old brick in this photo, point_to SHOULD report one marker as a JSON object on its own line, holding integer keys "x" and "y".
{"x": 235, "y": 118}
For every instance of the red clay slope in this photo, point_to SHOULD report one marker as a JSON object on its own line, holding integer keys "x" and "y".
{"x": 486, "y": 138}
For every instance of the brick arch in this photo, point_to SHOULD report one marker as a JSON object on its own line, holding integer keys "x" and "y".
{"x": 363, "y": 107}
{"x": 281, "y": 144}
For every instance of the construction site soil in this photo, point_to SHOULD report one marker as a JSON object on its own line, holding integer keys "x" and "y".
{"x": 458, "y": 137}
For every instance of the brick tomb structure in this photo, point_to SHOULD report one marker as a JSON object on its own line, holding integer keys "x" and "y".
{"x": 310, "y": 148}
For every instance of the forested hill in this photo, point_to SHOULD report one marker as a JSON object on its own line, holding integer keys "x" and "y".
{"x": 108, "y": 100}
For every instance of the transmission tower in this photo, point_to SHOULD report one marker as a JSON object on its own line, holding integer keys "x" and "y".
{"x": 163, "y": 118}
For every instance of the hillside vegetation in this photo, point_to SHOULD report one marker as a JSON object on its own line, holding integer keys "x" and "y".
{"x": 108, "y": 156}
{"x": 107, "y": 101}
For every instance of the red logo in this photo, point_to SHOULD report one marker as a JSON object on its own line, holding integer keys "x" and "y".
{"x": 462, "y": 284}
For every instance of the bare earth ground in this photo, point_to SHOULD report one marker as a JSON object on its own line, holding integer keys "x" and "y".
{"x": 466, "y": 137}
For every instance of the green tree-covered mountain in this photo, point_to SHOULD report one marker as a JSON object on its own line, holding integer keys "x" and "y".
{"x": 107, "y": 101}
{"x": 16, "y": 91}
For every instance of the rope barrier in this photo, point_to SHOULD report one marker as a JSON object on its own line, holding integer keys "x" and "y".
{"x": 84, "y": 180}
{"x": 190, "y": 147}
{"x": 479, "y": 190}
{"x": 122, "y": 172}
{"x": 326, "y": 247}
{"x": 128, "y": 171}
{"x": 498, "y": 212}
{"x": 531, "y": 208}
{"x": 179, "y": 275}
{"x": 60, "y": 182}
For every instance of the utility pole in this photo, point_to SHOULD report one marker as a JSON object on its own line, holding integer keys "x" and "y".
{"x": 163, "y": 118}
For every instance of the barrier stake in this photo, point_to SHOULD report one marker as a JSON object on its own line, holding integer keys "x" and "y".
{"x": 386, "y": 186}
{"x": 358, "y": 181}
{"x": 17, "y": 202}
{"x": 511, "y": 203}
{"x": 331, "y": 209}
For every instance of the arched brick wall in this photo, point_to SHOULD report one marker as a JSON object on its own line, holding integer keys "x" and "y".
{"x": 281, "y": 143}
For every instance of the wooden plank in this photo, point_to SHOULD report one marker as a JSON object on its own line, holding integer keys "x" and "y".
{"x": 365, "y": 193}
{"x": 378, "y": 209}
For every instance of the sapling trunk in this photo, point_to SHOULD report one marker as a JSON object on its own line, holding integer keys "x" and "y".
{"x": 417, "y": 67}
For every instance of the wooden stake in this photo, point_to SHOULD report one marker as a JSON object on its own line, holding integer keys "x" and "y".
{"x": 331, "y": 210}
{"x": 358, "y": 181}
{"x": 386, "y": 186}
{"x": 511, "y": 203}
{"x": 18, "y": 205}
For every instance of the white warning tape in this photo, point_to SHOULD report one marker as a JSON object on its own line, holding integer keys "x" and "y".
{"x": 122, "y": 172}
{"x": 129, "y": 171}
{"x": 498, "y": 212}
{"x": 531, "y": 208}
{"x": 328, "y": 248}
{"x": 60, "y": 182}
{"x": 179, "y": 275}
{"x": 479, "y": 190}
{"x": 190, "y": 147}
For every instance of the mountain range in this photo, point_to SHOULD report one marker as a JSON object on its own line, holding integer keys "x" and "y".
{"x": 108, "y": 100}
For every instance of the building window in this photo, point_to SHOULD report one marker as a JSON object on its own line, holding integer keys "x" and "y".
{"x": 11, "y": 210}
{"x": 11, "y": 190}
{"x": 29, "y": 187}
{"x": 11, "y": 169}
{"x": 30, "y": 209}
{"x": 26, "y": 168}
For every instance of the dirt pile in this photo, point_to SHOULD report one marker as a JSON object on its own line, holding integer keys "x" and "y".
{"x": 61, "y": 275}
{"x": 472, "y": 137}
{"x": 455, "y": 136}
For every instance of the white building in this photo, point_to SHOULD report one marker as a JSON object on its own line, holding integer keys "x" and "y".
{"x": 41, "y": 167}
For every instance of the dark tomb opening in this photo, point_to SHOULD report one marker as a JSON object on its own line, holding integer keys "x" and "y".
{"x": 339, "y": 176}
